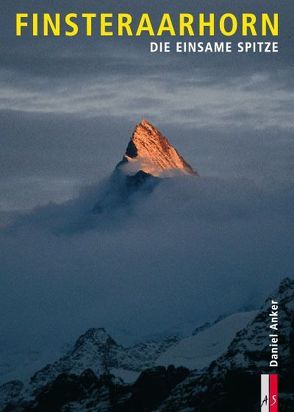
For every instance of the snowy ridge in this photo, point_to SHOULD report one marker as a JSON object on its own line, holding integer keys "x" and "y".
{"x": 199, "y": 350}
{"x": 245, "y": 359}
{"x": 95, "y": 350}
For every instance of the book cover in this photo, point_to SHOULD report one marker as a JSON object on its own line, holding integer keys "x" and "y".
{"x": 146, "y": 206}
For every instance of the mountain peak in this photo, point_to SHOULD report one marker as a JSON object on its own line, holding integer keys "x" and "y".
{"x": 150, "y": 152}
{"x": 96, "y": 336}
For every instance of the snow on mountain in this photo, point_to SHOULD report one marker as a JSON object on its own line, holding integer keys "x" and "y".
{"x": 21, "y": 363}
{"x": 230, "y": 383}
{"x": 221, "y": 385}
{"x": 95, "y": 350}
{"x": 198, "y": 351}
{"x": 65, "y": 386}
{"x": 150, "y": 152}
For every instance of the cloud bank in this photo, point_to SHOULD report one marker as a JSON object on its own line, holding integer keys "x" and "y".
{"x": 191, "y": 250}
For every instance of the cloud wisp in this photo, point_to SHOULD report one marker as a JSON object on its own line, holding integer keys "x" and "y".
{"x": 238, "y": 102}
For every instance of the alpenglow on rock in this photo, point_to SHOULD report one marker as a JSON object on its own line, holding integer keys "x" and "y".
{"x": 150, "y": 152}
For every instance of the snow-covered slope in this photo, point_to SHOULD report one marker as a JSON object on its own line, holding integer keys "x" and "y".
{"x": 221, "y": 385}
{"x": 200, "y": 350}
{"x": 97, "y": 350}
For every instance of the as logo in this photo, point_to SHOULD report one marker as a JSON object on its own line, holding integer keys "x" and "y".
{"x": 269, "y": 393}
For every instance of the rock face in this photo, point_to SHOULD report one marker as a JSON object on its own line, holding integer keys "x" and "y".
{"x": 150, "y": 152}
{"x": 86, "y": 392}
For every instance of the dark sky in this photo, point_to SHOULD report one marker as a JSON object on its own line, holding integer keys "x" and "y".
{"x": 68, "y": 106}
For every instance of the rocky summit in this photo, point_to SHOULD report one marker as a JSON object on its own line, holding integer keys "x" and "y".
{"x": 150, "y": 152}
{"x": 149, "y": 159}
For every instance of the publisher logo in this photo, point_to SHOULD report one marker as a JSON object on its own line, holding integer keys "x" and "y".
{"x": 269, "y": 393}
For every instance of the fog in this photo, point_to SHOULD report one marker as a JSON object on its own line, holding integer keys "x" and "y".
{"x": 187, "y": 252}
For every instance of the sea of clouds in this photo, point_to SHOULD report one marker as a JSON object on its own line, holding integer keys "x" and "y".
{"x": 189, "y": 251}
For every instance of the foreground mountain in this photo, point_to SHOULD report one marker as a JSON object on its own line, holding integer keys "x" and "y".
{"x": 97, "y": 351}
{"x": 87, "y": 392}
{"x": 230, "y": 383}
